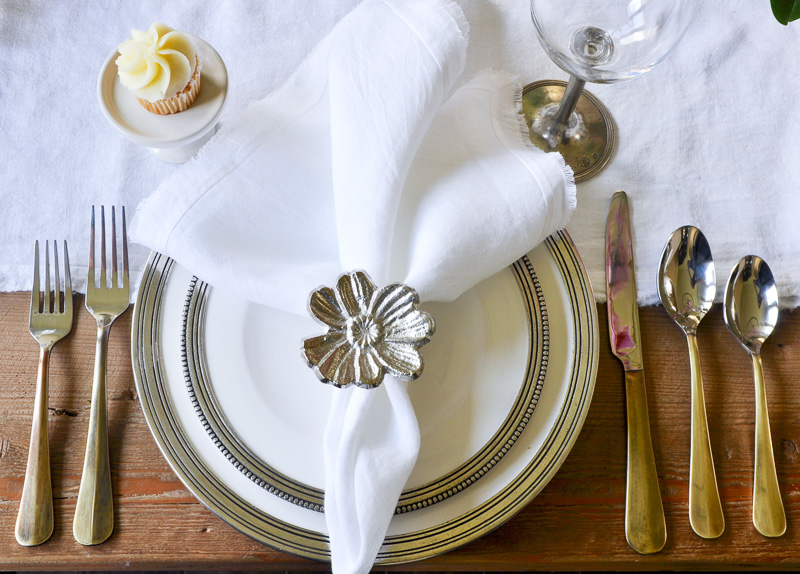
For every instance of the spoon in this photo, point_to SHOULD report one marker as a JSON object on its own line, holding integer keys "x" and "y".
{"x": 687, "y": 285}
{"x": 751, "y": 311}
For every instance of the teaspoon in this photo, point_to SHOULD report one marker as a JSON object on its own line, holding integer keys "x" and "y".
{"x": 687, "y": 285}
{"x": 751, "y": 311}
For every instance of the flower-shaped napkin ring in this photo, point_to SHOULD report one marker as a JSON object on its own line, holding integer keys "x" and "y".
{"x": 371, "y": 332}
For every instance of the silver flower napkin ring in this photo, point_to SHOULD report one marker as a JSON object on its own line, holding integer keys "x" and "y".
{"x": 371, "y": 332}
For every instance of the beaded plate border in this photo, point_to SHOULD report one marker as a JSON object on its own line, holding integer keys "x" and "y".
{"x": 224, "y": 436}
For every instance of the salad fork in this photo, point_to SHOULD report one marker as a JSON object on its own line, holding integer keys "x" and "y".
{"x": 50, "y": 321}
{"x": 94, "y": 512}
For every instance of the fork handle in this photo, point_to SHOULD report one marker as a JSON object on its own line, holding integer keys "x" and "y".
{"x": 94, "y": 512}
{"x": 35, "y": 518}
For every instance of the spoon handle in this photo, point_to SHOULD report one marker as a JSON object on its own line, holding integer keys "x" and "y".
{"x": 768, "y": 514}
{"x": 705, "y": 508}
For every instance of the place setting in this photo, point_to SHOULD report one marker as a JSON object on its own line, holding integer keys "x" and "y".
{"x": 364, "y": 301}
{"x": 237, "y": 373}
{"x": 498, "y": 296}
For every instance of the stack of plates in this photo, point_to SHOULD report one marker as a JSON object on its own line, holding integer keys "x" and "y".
{"x": 507, "y": 384}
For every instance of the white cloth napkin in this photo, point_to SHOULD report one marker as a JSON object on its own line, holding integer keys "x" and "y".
{"x": 362, "y": 161}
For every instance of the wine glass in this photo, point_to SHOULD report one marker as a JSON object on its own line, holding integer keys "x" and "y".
{"x": 594, "y": 41}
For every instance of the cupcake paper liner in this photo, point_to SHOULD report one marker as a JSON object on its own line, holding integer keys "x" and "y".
{"x": 180, "y": 101}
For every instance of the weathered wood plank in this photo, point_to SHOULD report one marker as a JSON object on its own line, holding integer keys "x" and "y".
{"x": 575, "y": 524}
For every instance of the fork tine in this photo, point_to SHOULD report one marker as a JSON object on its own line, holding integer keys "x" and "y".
{"x": 36, "y": 296}
{"x": 67, "y": 283}
{"x": 103, "y": 283}
{"x": 46, "y": 277}
{"x": 57, "y": 289}
{"x": 113, "y": 248}
{"x": 125, "y": 281}
{"x": 90, "y": 281}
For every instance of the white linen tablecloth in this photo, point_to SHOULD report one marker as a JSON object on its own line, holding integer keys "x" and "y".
{"x": 708, "y": 138}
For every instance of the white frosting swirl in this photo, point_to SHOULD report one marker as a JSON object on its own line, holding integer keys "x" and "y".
{"x": 156, "y": 64}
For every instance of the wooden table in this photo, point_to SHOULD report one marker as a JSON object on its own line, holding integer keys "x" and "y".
{"x": 576, "y": 523}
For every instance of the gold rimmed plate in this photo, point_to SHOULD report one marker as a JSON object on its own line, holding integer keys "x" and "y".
{"x": 508, "y": 381}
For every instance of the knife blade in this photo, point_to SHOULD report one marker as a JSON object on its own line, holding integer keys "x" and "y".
{"x": 645, "y": 527}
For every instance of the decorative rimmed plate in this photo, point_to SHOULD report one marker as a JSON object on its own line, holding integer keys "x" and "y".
{"x": 492, "y": 336}
{"x": 456, "y": 377}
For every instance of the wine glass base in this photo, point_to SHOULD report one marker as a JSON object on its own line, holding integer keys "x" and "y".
{"x": 588, "y": 146}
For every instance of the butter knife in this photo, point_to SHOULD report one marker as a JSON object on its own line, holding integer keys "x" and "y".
{"x": 645, "y": 528}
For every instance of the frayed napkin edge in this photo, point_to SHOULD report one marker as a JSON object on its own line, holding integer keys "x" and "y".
{"x": 512, "y": 120}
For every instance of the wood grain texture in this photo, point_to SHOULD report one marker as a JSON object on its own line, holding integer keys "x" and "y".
{"x": 576, "y": 523}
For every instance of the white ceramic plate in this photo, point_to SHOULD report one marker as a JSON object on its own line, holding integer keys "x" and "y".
{"x": 247, "y": 384}
{"x": 503, "y": 354}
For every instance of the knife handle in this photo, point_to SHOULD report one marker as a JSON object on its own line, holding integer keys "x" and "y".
{"x": 705, "y": 508}
{"x": 645, "y": 528}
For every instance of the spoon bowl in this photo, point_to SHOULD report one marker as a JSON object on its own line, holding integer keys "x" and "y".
{"x": 751, "y": 303}
{"x": 687, "y": 280}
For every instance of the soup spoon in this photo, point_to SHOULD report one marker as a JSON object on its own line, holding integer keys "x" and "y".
{"x": 751, "y": 311}
{"x": 687, "y": 285}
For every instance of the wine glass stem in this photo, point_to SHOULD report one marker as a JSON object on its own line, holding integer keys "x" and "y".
{"x": 572, "y": 94}
{"x": 552, "y": 124}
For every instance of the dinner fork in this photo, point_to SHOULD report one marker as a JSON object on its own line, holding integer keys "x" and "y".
{"x": 48, "y": 325}
{"x": 94, "y": 512}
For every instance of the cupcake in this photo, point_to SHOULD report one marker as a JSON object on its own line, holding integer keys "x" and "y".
{"x": 161, "y": 67}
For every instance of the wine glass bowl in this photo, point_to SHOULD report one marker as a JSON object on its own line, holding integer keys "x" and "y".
{"x": 599, "y": 42}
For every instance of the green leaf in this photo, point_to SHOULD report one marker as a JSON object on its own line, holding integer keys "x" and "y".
{"x": 786, "y": 11}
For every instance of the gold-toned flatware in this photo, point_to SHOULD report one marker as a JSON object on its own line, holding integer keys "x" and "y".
{"x": 94, "y": 512}
{"x": 50, "y": 321}
{"x": 687, "y": 284}
{"x": 751, "y": 312}
{"x": 645, "y": 527}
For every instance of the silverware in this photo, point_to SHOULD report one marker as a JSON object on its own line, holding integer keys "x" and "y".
{"x": 751, "y": 311}
{"x": 94, "y": 512}
{"x": 687, "y": 285}
{"x": 645, "y": 528}
{"x": 50, "y": 321}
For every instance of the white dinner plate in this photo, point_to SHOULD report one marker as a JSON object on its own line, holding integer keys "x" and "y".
{"x": 508, "y": 380}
